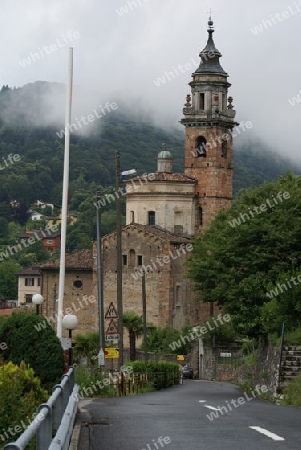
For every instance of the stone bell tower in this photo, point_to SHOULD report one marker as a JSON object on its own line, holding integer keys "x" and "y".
{"x": 209, "y": 121}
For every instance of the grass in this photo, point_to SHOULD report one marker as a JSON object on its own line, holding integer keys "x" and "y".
{"x": 292, "y": 392}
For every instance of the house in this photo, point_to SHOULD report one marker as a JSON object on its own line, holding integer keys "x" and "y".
{"x": 79, "y": 293}
{"x": 50, "y": 237}
{"x": 29, "y": 283}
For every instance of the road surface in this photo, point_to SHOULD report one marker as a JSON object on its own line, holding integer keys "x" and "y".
{"x": 196, "y": 415}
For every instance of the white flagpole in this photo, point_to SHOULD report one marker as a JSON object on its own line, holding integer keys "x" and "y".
{"x": 65, "y": 195}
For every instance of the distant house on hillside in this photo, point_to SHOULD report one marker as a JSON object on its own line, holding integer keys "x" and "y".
{"x": 36, "y": 216}
{"x": 50, "y": 240}
{"x": 43, "y": 205}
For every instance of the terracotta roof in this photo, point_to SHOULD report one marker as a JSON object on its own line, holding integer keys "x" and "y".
{"x": 38, "y": 234}
{"x": 165, "y": 176}
{"x": 156, "y": 231}
{"x": 82, "y": 260}
{"x": 31, "y": 270}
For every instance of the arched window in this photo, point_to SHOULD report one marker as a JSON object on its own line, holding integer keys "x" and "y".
{"x": 224, "y": 148}
{"x": 151, "y": 218}
{"x": 200, "y": 147}
{"x": 200, "y": 216}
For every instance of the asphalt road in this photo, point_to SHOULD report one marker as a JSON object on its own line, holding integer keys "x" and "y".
{"x": 181, "y": 417}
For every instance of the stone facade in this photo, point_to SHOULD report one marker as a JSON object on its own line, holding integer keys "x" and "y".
{"x": 161, "y": 255}
{"x": 80, "y": 297}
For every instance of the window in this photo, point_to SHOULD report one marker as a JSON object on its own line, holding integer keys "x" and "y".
{"x": 39, "y": 281}
{"x": 77, "y": 284}
{"x": 28, "y": 298}
{"x": 200, "y": 147}
{"x": 200, "y": 216}
{"x": 202, "y": 101}
{"x": 224, "y": 102}
{"x": 151, "y": 217}
{"x": 132, "y": 217}
{"x": 49, "y": 241}
{"x": 139, "y": 260}
{"x": 125, "y": 260}
{"x": 224, "y": 148}
{"x": 29, "y": 281}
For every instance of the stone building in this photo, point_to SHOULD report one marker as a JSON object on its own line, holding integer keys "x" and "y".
{"x": 79, "y": 294}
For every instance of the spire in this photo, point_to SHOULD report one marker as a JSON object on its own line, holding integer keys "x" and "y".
{"x": 210, "y": 55}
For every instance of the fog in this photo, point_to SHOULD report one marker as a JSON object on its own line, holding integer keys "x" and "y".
{"x": 124, "y": 52}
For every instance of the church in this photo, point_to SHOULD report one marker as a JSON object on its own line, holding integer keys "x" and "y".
{"x": 164, "y": 212}
{"x": 168, "y": 209}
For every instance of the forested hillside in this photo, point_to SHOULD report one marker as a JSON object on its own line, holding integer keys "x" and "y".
{"x": 28, "y": 127}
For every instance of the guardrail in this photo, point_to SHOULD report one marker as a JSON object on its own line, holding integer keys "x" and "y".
{"x": 57, "y": 414}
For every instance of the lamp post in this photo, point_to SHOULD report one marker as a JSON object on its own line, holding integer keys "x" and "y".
{"x": 69, "y": 322}
{"x": 37, "y": 299}
{"x": 101, "y": 356}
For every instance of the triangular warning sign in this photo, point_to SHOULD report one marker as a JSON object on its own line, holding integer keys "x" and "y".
{"x": 112, "y": 328}
{"x": 111, "y": 312}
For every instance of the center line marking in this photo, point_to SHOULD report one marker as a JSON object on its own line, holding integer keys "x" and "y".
{"x": 267, "y": 433}
{"x": 202, "y": 401}
{"x": 211, "y": 407}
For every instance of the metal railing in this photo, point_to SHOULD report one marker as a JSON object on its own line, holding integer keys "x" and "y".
{"x": 57, "y": 414}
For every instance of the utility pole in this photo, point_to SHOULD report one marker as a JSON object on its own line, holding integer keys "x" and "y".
{"x": 54, "y": 305}
{"x": 144, "y": 315}
{"x": 101, "y": 354}
{"x": 119, "y": 261}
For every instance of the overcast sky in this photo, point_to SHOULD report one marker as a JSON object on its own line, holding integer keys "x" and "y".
{"x": 126, "y": 50}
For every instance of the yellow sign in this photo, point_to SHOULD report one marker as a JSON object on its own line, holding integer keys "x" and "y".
{"x": 180, "y": 357}
{"x": 111, "y": 352}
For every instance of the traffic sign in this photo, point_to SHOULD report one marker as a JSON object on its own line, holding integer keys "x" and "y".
{"x": 112, "y": 328}
{"x": 111, "y": 353}
{"x": 180, "y": 357}
{"x": 111, "y": 312}
{"x": 112, "y": 337}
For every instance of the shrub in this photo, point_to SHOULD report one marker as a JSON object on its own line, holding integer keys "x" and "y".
{"x": 40, "y": 349}
{"x": 20, "y": 394}
{"x": 162, "y": 373}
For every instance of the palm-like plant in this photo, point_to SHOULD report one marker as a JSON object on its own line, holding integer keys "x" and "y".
{"x": 134, "y": 325}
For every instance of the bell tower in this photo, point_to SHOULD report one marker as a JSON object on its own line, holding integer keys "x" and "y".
{"x": 209, "y": 121}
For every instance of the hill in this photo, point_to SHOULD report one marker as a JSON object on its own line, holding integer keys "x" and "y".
{"x": 30, "y": 120}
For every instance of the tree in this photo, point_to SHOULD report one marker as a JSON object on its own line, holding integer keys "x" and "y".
{"x": 8, "y": 279}
{"x": 31, "y": 339}
{"x": 247, "y": 250}
{"x": 134, "y": 325}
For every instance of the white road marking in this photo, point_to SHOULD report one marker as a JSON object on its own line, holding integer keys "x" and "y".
{"x": 202, "y": 401}
{"x": 273, "y": 436}
{"x": 211, "y": 407}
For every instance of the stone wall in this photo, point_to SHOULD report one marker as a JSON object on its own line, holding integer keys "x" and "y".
{"x": 216, "y": 367}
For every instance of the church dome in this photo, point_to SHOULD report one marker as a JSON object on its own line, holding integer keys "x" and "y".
{"x": 164, "y": 154}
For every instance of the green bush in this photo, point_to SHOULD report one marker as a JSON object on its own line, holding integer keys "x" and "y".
{"x": 40, "y": 349}
{"x": 162, "y": 374}
{"x": 20, "y": 395}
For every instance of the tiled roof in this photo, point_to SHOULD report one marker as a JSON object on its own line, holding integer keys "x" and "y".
{"x": 31, "y": 270}
{"x": 39, "y": 234}
{"x": 156, "y": 231}
{"x": 82, "y": 260}
{"x": 164, "y": 176}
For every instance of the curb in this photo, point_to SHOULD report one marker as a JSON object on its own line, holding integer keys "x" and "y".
{"x": 75, "y": 435}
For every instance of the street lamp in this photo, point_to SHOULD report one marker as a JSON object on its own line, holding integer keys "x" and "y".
{"x": 69, "y": 322}
{"x": 37, "y": 299}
